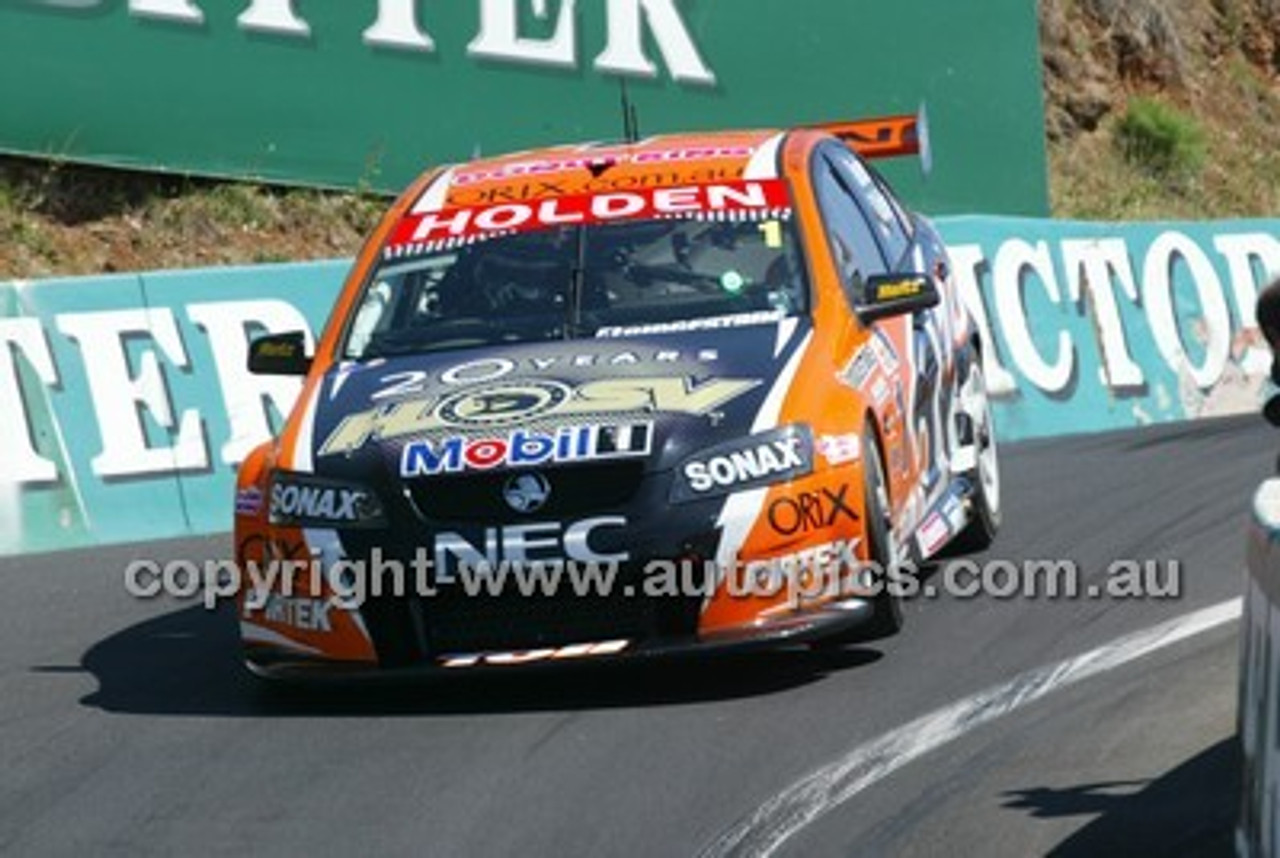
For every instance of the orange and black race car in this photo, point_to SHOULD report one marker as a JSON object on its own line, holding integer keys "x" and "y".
{"x": 617, "y": 400}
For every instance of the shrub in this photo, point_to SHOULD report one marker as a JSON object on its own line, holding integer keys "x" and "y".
{"x": 1161, "y": 139}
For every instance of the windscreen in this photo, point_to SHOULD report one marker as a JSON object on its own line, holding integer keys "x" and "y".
{"x": 718, "y": 261}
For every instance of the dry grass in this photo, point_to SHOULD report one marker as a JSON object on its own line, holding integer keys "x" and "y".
{"x": 63, "y": 219}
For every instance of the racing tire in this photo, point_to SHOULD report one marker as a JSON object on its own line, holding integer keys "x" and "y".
{"x": 985, "y": 508}
{"x": 887, "y": 615}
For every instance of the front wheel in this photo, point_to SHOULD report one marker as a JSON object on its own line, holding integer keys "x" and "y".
{"x": 886, "y": 617}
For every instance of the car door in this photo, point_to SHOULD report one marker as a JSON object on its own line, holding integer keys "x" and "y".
{"x": 878, "y": 366}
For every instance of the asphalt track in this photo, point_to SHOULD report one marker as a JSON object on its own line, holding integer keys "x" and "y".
{"x": 128, "y": 727}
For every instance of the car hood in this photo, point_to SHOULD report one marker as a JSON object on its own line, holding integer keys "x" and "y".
{"x": 655, "y": 399}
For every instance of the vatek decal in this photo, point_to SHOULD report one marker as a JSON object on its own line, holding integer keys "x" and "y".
{"x": 526, "y": 448}
{"x": 507, "y": 403}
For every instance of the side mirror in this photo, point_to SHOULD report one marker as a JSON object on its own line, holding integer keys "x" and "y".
{"x": 890, "y": 295}
{"x": 279, "y": 354}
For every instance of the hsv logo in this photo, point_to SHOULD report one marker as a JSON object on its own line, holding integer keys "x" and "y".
{"x": 423, "y": 226}
{"x": 526, "y": 449}
{"x": 763, "y": 460}
{"x": 512, "y": 403}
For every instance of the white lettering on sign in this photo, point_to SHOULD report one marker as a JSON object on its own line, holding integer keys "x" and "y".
{"x": 625, "y": 54}
{"x": 1157, "y": 295}
{"x": 1241, "y": 253}
{"x": 122, "y": 397}
{"x": 966, "y": 261}
{"x": 19, "y": 461}
{"x": 499, "y": 36}
{"x": 273, "y": 16}
{"x": 1092, "y": 267}
{"x": 1017, "y": 264}
{"x": 631, "y": 27}
{"x": 247, "y": 397}
{"x": 397, "y": 27}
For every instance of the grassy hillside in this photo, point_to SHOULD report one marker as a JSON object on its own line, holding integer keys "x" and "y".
{"x": 1162, "y": 108}
{"x": 1155, "y": 109}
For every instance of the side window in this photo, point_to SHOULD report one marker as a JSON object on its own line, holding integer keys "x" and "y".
{"x": 854, "y": 249}
{"x": 883, "y": 212}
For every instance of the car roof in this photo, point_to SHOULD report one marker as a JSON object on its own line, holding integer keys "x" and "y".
{"x": 667, "y": 160}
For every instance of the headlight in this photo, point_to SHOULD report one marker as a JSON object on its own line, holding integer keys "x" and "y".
{"x": 301, "y": 500}
{"x": 746, "y": 463}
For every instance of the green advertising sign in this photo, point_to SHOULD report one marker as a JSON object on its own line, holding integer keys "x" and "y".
{"x": 369, "y": 92}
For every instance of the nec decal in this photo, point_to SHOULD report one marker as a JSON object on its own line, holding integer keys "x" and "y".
{"x": 547, "y": 544}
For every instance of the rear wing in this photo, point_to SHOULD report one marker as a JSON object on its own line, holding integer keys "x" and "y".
{"x": 887, "y": 137}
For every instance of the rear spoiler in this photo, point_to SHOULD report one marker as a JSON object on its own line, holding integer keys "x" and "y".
{"x": 887, "y": 136}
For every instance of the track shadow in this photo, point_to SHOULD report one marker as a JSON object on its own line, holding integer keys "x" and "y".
{"x": 184, "y": 663}
{"x": 1189, "y": 811}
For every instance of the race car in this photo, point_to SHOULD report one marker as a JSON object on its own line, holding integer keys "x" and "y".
{"x": 619, "y": 400}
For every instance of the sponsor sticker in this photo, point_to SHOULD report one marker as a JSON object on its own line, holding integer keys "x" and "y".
{"x": 596, "y": 163}
{"x": 307, "y": 615}
{"x": 429, "y": 229}
{"x": 249, "y": 502}
{"x": 540, "y": 543}
{"x": 934, "y": 534}
{"x": 684, "y": 326}
{"x": 532, "y": 656}
{"x": 526, "y": 449}
{"x": 760, "y": 460}
{"x": 860, "y": 368}
{"x": 840, "y": 449}
{"x": 810, "y": 511}
{"x": 301, "y": 501}
{"x": 886, "y": 354}
{"x": 514, "y": 402}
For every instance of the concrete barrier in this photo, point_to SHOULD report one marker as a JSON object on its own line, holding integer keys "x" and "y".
{"x": 1259, "y": 710}
{"x": 125, "y": 407}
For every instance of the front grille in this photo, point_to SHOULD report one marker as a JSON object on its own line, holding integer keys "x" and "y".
{"x": 458, "y": 624}
{"x": 575, "y": 491}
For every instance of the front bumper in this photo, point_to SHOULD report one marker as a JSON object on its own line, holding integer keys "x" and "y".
{"x": 831, "y": 620}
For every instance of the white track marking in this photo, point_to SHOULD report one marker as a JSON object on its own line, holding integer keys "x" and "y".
{"x": 812, "y": 797}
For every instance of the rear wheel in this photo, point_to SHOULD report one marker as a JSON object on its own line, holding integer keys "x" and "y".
{"x": 985, "y": 510}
